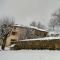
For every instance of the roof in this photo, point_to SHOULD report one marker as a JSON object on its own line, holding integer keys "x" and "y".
{"x": 30, "y": 27}
{"x": 37, "y": 28}
{"x": 16, "y": 25}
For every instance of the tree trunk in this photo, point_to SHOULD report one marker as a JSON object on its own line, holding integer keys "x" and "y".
{"x": 53, "y": 28}
{"x": 4, "y": 42}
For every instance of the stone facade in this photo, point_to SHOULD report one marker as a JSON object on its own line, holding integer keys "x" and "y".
{"x": 21, "y": 33}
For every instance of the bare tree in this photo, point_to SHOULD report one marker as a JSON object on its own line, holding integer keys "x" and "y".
{"x": 26, "y": 34}
{"x": 5, "y": 29}
{"x": 57, "y": 15}
{"x": 33, "y": 23}
{"x": 39, "y": 25}
{"x": 52, "y": 23}
{"x": 55, "y": 20}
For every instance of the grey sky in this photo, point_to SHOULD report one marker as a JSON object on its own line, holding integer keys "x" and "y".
{"x": 25, "y": 11}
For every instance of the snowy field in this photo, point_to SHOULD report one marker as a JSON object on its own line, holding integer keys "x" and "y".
{"x": 30, "y": 55}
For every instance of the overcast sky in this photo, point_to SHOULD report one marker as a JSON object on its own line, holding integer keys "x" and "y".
{"x": 26, "y": 11}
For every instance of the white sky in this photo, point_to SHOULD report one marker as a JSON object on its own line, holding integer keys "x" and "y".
{"x": 26, "y": 11}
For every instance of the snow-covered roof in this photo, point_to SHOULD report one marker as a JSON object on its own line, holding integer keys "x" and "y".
{"x": 18, "y": 25}
{"x": 46, "y": 38}
{"x": 32, "y": 27}
{"x": 36, "y": 28}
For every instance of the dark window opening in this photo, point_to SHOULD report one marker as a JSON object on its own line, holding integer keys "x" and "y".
{"x": 14, "y": 33}
{"x": 13, "y": 41}
{"x": 44, "y": 35}
{"x": 14, "y": 27}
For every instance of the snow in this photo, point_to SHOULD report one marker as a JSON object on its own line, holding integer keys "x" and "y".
{"x": 6, "y": 48}
{"x": 0, "y": 48}
{"x": 17, "y": 25}
{"x": 46, "y": 38}
{"x": 30, "y": 55}
{"x": 37, "y": 28}
{"x": 30, "y": 27}
{"x": 54, "y": 32}
{"x": 12, "y": 45}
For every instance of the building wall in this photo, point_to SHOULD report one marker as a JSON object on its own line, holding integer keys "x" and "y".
{"x": 21, "y": 34}
{"x": 18, "y": 36}
{"x": 8, "y": 42}
{"x": 40, "y": 33}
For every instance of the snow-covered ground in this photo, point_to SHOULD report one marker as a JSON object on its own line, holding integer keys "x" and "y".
{"x": 30, "y": 55}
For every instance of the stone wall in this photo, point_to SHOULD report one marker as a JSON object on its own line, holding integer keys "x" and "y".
{"x": 39, "y": 44}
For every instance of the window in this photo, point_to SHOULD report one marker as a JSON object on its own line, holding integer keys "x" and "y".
{"x": 44, "y": 35}
{"x": 14, "y": 27}
{"x": 14, "y": 33}
{"x": 13, "y": 41}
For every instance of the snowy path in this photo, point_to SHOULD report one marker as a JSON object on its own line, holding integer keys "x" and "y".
{"x": 30, "y": 55}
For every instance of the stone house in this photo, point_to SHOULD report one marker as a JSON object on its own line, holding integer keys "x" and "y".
{"x": 23, "y": 32}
